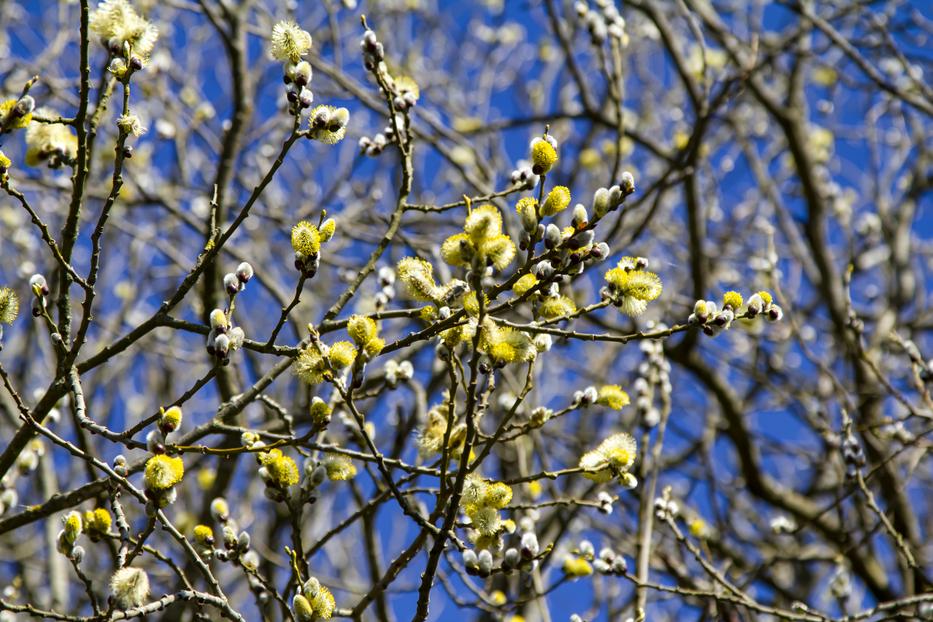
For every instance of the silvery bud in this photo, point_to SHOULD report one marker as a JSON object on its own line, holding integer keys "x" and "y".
{"x": 301, "y": 74}
{"x": 543, "y": 269}
{"x": 529, "y": 545}
{"x": 221, "y": 345}
{"x": 755, "y": 305}
{"x": 339, "y": 119}
{"x": 230, "y": 537}
{"x": 244, "y": 272}
{"x": 470, "y": 561}
{"x": 511, "y": 559}
{"x": 484, "y": 563}
{"x": 24, "y": 106}
{"x": 580, "y": 217}
{"x": 619, "y": 566}
{"x": 232, "y": 284}
{"x": 600, "y": 252}
{"x": 615, "y": 196}
{"x": 601, "y": 202}
{"x": 582, "y": 239}
{"x": 243, "y": 541}
{"x": 305, "y": 97}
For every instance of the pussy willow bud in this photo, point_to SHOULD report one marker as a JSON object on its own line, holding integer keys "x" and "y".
{"x": 615, "y": 196}
{"x": 339, "y": 119}
{"x": 243, "y": 541}
{"x": 154, "y": 442}
{"x": 237, "y": 336}
{"x": 754, "y": 305}
{"x": 600, "y": 252}
{"x": 232, "y": 284}
{"x": 222, "y": 345}
{"x": 543, "y": 269}
{"x": 218, "y": 320}
{"x": 321, "y": 117}
{"x": 484, "y": 563}
{"x": 529, "y": 545}
{"x": 301, "y": 74}
{"x": 39, "y": 285}
{"x": 220, "y": 510}
{"x": 24, "y": 106}
{"x": 244, "y": 272}
{"x": 601, "y": 202}
{"x": 627, "y": 183}
{"x": 551, "y": 236}
{"x": 318, "y": 475}
{"x": 580, "y": 217}
{"x": 618, "y": 565}
{"x": 582, "y": 239}
{"x": 305, "y": 97}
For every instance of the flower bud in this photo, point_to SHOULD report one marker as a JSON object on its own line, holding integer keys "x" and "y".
{"x": 304, "y": 612}
{"x": 600, "y": 252}
{"x": 220, "y": 510}
{"x": 232, "y": 284}
{"x": 339, "y": 119}
{"x": 484, "y": 563}
{"x": 230, "y": 537}
{"x": 582, "y": 239}
{"x": 305, "y": 98}
{"x": 243, "y": 541}
{"x": 244, "y": 272}
{"x": 170, "y": 419}
{"x": 39, "y": 285}
{"x": 755, "y": 305}
{"x": 469, "y": 559}
{"x": 221, "y": 345}
{"x": 580, "y": 217}
{"x": 218, "y": 321}
{"x": 551, "y": 236}
{"x": 526, "y": 213}
{"x": 618, "y": 565}
{"x": 529, "y": 545}
{"x": 543, "y": 269}
{"x": 615, "y": 197}
{"x": 301, "y": 73}
{"x": 25, "y": 105}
